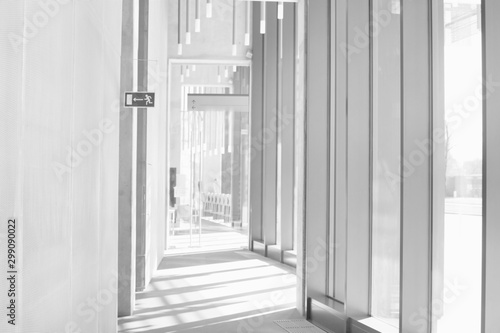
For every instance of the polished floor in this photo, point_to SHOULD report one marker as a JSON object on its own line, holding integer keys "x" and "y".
{"x": 234, "y": 291}
{"x": 213, "y": 235}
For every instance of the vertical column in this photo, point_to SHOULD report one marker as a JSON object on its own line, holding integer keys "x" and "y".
{"x": 126, "y": 220}
{"x": 236, "y": 170}
{"x": 256, "y": 116}
{"x": 142, "y": 134}
{"x": 237, "y": 167}
{"x": 491, "y": 172}
{"x": 438, "y": 162}
{"x": 339, "y": 165}
{"x": 416, "y": 186}
{"x": 299, "y": 152}
{"x": 286, "y": 130}
{"x": 226, "y": 155}
{"x": 358, "y": 161}
{"x": 270, "y": 125}
{"x": 317, "y": 149}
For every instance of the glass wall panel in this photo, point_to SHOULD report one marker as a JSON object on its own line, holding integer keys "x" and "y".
{"x": 457, "y": 223}
{"x": 386, "y": 150}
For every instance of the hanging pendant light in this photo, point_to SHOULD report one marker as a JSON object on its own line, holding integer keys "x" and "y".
{"x": 235, "y": 50}
{"x": 197, "y": 20}
{"x": 209, "y": 8}
{"x": 247, "y": 24}
{"x": 280, "y": 10}
{"x": 280, "y": 24}
{"x": 179, "y": 42}
{"x": 263, "y": 17}
{"x": 188, "y": 24}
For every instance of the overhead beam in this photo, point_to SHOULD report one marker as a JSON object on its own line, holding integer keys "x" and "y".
{"x": 218, "y": 102}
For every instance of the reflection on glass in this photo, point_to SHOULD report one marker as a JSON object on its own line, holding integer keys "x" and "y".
{"x": 458, "y": 184}
{"x": 386, "y": 161}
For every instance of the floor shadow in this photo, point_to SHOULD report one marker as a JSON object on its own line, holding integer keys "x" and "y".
{"x": 244, "y": 298}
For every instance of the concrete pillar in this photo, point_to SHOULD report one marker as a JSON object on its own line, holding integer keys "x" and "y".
{"x": 126, "y": 227}
{"x": 416, "y": 208}
{"x": 299, "y": 153}
{"x": 269, "y": 131}
{"x": 286, "y": 128}
{"x": 256, "y": 144}
{"x": 236, "y": 169}
{"x": 142, "y": 144}
{"x": 491, "y": 191}
{"x": 316, "y": 146}
{"x": 225, "y": 177}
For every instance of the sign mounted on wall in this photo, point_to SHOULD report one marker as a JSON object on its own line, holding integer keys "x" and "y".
{"x": 139, "y": 99}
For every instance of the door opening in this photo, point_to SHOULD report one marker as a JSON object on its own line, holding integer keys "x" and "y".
{"x": 208, "y": 158}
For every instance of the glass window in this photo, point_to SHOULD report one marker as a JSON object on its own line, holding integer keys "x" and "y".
{"x": 457, "y": 224}
{"x": 386, "y": 150}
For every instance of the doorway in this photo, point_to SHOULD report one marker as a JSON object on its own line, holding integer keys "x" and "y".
{"x": 208, "y": 157}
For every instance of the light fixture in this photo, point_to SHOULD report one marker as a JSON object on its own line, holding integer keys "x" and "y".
{"x": 263, "y": 17}
{"x": 280, "y": 10}
{"x": 197, "y": 20}
{"x": 280, "y": 15}
{"x": 209, "y": 8}
{"x": 280, "y": 24}
{"x": 179, "y": 42}
{"x": 247, "y": 25}
{"x": 219, "y": 79}
{"x": 187, "y": 71}
{"x": 226, "y": 72}
{"x": 235, "y": 50}
{"x": 235, "y": 68}
{"x": 193, "y": 68}
{"x": 188, "y": 24}
{"x": 182, "y": 73}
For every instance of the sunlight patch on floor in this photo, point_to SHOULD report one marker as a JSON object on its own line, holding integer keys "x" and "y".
{"x": 232, "y": 291}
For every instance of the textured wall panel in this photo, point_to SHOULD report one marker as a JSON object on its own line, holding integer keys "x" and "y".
{"x": 61, "y": 86}
{"x": 11, "y": 58}
{"x": 47, "y": 196}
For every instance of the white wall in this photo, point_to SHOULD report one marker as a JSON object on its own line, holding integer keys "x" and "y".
{"x": 59, "y": 89}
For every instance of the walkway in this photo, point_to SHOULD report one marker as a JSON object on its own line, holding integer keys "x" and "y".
{"x": 228, "y": 291}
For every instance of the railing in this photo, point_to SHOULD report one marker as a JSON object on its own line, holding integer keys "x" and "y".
{"x": 217, "y": 205}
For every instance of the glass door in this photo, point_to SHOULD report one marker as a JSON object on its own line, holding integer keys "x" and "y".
{"x": 209, "y": 160}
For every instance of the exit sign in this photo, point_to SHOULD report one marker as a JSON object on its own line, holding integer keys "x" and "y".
{"x": 139, "y": 99}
